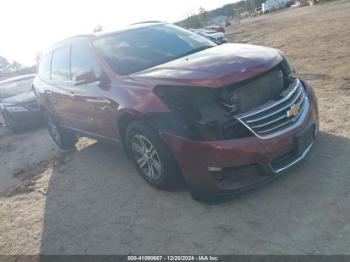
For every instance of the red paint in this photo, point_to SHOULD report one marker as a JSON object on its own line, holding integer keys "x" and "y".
{"x": 133, "y": 96}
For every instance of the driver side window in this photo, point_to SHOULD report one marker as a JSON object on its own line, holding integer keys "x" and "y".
{"x": 82, "y": 60}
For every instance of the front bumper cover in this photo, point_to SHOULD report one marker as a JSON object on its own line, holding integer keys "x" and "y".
{"x": 246, "y": 162}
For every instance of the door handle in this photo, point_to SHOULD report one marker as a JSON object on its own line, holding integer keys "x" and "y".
{"x": 98, "y": 100}
{"x": 48, "y": 92}
{"x": 71, "y": 93}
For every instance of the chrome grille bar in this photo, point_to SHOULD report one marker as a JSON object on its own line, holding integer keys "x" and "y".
{"x": 297, "y": 83}
{"x": 290, "y": 120}
{"x": 284, "y": 115}
{"x": 281, "y": 109}
{"x": 277, "y": 118}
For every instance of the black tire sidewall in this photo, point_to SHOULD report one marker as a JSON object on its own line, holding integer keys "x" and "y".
{"x": 67, "y": 139}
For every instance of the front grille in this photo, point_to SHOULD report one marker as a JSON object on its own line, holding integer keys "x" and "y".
{"x": 253, "y": 92}
{"x": 277, "y": 117}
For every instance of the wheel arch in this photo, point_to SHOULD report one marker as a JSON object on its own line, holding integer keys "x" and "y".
{"x": 156, "y": 121}
{"x": 162, "y": 122}
{"x": 122, "y": 123}
{"x": 148, "y": 122}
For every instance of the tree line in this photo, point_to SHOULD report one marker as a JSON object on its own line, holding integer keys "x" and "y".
{"x": 202, "y": 17}
{"x": 6, "y": 66}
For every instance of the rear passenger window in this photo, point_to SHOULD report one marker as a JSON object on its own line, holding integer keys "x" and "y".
{"x": 82, "y": 60}
{"x": 45, "y": 67}
{"x": 60, "y": 64}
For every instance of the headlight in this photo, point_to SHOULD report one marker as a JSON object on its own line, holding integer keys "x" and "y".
{"x": 14, "y": 109}
{"x": 188, "y": 99}
{"x": 201, "y": 107}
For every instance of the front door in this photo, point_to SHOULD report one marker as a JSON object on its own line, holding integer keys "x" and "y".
{"x": 90, "y": 100}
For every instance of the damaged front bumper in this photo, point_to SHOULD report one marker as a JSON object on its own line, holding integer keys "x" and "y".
{"x": 231, "y": 166}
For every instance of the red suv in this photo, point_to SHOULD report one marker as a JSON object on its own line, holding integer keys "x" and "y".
{"x": 224, "y": 117}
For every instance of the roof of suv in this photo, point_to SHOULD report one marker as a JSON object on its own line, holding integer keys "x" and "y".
{"x": 130, "y": 27}
{"x": 101, "y": 34}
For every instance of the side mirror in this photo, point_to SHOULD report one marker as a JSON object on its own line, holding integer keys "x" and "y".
{"x": 85, "y": 78}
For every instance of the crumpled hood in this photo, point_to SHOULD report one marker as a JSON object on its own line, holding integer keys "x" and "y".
{"x": 215, "y": 67}
{"x": 20, "y": 99}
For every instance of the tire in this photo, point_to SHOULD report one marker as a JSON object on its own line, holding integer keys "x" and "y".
{"x": 63, "y": 138}
{"x": 151, "y": 157}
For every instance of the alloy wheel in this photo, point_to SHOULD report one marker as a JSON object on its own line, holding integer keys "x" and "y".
{"x": 146, "y": 157}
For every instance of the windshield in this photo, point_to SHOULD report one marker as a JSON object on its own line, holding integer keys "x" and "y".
{"x": 142, "y": 48}
{"x": 15, "y": 88}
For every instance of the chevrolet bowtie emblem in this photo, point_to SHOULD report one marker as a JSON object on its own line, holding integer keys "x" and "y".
{"x": 293, "y": 111}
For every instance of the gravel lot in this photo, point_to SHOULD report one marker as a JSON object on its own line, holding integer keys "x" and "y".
{"x": 92, "y": 201}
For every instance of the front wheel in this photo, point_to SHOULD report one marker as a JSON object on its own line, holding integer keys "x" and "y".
{"x": 150, "y": 155}
{"x": 63, "y": 138}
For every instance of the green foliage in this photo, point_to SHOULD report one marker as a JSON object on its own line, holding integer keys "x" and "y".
{"x": 250, "y": 5}
{"x": 6, "y": 66}
{"x": 203, "y": 15}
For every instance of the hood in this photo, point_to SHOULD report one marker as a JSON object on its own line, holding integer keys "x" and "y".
{"x": 215, "y": 67}
{"x": 20, "y": 99}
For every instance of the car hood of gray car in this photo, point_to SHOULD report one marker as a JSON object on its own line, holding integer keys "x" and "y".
{"x": 19, "y": 99}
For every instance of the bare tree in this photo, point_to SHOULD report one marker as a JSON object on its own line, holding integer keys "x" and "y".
{"x": 4, "y": 65}
{"x": 203, "y": 15}
{"x": 38, "y": 56}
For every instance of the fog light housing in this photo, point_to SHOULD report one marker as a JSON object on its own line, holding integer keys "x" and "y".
{"x": 214, "y": 169}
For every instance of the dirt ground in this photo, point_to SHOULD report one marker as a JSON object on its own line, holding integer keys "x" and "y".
{"x": 92, "y": 201}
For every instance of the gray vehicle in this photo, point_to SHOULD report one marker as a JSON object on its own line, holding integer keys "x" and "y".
{"x": 217, "y": 37}
{"x": 18, "y": 106}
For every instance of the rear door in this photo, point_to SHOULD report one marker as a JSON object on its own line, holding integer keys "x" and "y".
{"x": 60, "y": 94}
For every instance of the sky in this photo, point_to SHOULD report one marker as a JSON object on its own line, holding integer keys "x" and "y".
{"x": 30, "y": 26}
